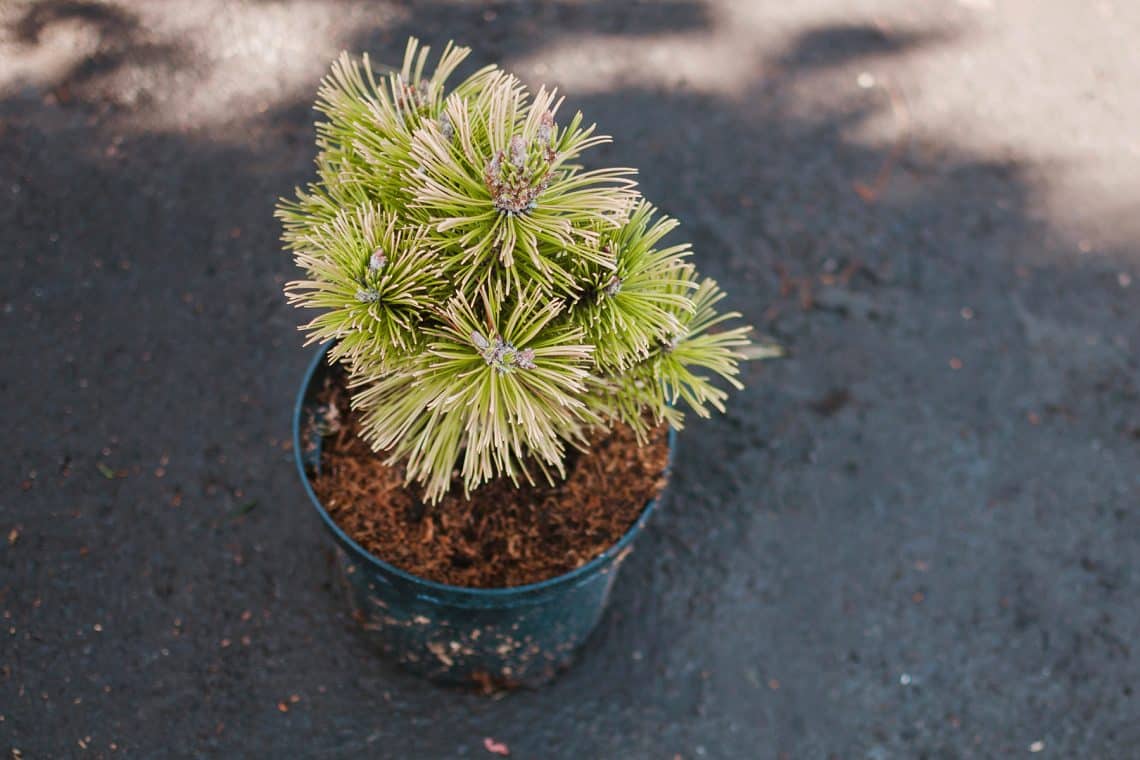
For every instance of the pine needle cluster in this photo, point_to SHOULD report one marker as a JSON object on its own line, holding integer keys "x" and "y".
{"x": 492, "y": 299}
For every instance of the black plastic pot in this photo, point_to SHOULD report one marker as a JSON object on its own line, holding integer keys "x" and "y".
{"x": 521, "y": 635}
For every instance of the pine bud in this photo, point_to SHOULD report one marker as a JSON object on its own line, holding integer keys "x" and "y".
{"x": 546, "y": 129}
{"x": 371, "y": 295}
{"x": 446, "y": 127}
{"x": 377, "y": 260}
{"x": 546, "y": 137}
{"x": 494, "y": 170}
{"x": 518, "y": 152}
{"x": 502, "y": 355}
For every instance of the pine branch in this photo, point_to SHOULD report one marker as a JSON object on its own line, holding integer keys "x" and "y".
{"x": 374, "y": 280}
{"x": 492, "y": 299}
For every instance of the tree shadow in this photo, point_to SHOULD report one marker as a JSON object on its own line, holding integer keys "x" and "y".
{"x": 841, "y": 44}
{"x": 490, "y": 29}
{"x": 146, "y": 275}
{"x": 109, "y": 20}
{"x": 121, "y": 40}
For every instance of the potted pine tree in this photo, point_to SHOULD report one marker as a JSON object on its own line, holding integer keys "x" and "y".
{"x": 506, "y": 346}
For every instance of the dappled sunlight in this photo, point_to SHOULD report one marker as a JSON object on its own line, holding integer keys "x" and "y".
{"x": 703, "y": 62}
{"x": 925, "y": 507}
{"x": 185, "y": 64}
{"x": 180, "y": 63}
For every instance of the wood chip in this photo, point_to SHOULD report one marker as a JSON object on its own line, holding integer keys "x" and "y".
{"x": 496, "y": 748}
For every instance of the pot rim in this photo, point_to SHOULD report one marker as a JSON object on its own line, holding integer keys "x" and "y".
{"x": 598, "y": 563}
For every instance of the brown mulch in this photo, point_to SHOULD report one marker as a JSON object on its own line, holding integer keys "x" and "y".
{"x": 502, "y": 534}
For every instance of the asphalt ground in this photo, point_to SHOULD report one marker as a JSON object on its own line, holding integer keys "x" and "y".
{"x": 916, "y": 536}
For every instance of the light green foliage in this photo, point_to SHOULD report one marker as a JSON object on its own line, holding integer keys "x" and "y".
{"x": 492, "y": 299}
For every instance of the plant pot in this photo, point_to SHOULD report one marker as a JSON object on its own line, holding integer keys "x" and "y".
{"x": 521, "y": 635}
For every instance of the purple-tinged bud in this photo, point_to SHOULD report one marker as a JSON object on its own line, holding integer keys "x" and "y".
{"x": 613, "y": 287}
{"x": 377, "y": 260}
{"x": 446, "y": 127}
{"x": 500, "y": 350}
{"x": 546, "y": 128}
{"x": 501, "y": 355}
{"x": 495, "y": 166}
{"x": 518, "y": 152}
{"x": 371, "y": 295}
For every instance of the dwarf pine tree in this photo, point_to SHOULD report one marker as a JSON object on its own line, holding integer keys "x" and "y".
{"x": 492, "y": 300}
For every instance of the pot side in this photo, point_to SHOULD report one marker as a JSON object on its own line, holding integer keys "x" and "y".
{"x": 493, "y": 637}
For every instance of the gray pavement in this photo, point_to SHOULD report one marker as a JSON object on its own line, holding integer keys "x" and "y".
{"x": 915, "y": 537}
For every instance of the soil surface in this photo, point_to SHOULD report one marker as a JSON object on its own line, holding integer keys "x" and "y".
{"x": 503, "y": 533}
{"x": 915, "y": 536}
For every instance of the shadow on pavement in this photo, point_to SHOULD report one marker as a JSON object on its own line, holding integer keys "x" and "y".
{"x": 914, "y": 494}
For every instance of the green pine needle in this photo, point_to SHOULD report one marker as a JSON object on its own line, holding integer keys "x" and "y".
{"x": 492, "y": 300}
